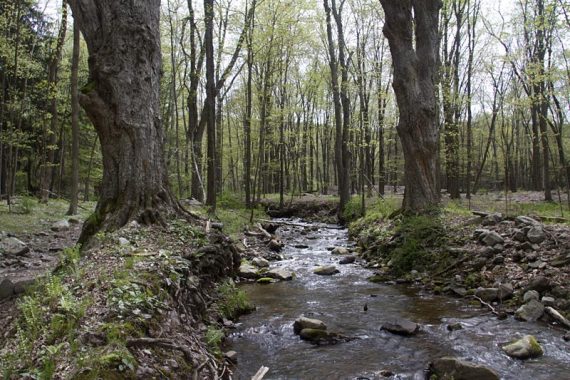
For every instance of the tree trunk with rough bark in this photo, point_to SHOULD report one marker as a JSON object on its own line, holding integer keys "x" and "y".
{"x": 122, "y": 101}
{"x": 74, "y": 198}
{"x": 415, "y": 72}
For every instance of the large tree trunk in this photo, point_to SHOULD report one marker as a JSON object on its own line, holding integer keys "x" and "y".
{"x": 415, "y": 71}
{"x": 122, "y": 101}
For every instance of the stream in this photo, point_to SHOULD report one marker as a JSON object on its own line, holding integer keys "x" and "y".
{"x": 266, "y": 337}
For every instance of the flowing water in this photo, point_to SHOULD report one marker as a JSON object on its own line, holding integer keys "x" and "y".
{"x": 266, "y": 337}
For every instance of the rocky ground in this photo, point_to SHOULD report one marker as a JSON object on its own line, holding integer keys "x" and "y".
{"x": 26, "y": 256}
{"x": 517, "y": 265}
{"x": 144, "y": 302}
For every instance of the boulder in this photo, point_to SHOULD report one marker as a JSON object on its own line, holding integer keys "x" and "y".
{"x": 492, "y": 238}
{"x": 326, "y": 270}
{"x": 307, "y": 323}
{"x": 6, "y": 289}
{"x": 401, "y": 327}
{"x": 448, "y": 368}
{"x": 548, "y": 301}
{"x": 62, "y": 225}
{"x": 315, "y": 335}
{"x": 231, "y": 356}
{"x": 540, "y": 284}
{"x": 23, "y": 284}
{"x": 347, "y": 260}
{"x": 248, "y": 271}
{"x": 526, "y": 221}
{"x": 530, "y": 311}
{"x": 343, "y": 251}
{"x": 13, "y": 247}
{"x": 505, "y": 291}
{"x": 561, "y": 261}
{"x": 454, "y": 327}
{"x": 524, "y": 348}
{"x": 519, "y": 236}
{"x": 122, "y": 241}
{"x": 492, "y": 219}
{"x": 531, "y": 295}
{"x": 479, "y": 263}
{"x": 275, "y": 245}
{"x": 487, "y": 294}
{"x": 499, "y": 259}
{"x": 480, "y": 233}
{"x": 280, "y": 274}
{"x": 260, "y": 262}
{"x": 536, "y": 235}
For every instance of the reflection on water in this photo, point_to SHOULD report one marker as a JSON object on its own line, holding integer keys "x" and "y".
{"x": 266, "y": 336}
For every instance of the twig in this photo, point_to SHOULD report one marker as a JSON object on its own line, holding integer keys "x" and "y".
{"x": 487, "y": 304}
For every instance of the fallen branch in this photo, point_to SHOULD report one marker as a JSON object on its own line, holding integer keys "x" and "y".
{"x": 264, "y": 231}
{"x": 164, "y": 343}
{"x": 260, "y": 373}
{"x": 253, "y": 234}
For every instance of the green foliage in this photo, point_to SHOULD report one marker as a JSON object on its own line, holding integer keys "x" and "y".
{"x": 130, "y": 300}
{"x": 233, "y": 301}
{"x": 48, "y": 313}
{"x": 230, "y": 200}
{"x": 418, "y": 238}
{"x": 187, "y": 232}
{"x": 353, "y": 209}
{"x": 40, "y": 217}
{"x": 214, "y": 338}
{"x": 26, "y": 205}
{"x": 380, "y": 210}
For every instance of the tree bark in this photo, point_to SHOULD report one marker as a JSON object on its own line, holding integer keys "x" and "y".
{"x": 122, "y": 101}
{"x": 74, "y": 198}
{"x": 50, "y": 138}
{"x": 211, "y": 106}
{"x": 415, "y": 72}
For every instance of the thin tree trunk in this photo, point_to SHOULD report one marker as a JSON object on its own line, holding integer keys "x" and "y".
{"x": 74, "y": 198}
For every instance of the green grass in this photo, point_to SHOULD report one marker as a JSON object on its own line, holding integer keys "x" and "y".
{"x": 520, "y": 203}
{"x": 28, "y": 215}
{"x": 233, "y": 301}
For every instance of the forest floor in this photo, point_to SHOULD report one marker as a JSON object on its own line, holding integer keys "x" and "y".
{"x": 493, "y": 249}
{"x": 143, "y": 302}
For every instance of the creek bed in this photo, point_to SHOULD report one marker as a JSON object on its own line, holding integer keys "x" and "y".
{"x": 266, "y": 337}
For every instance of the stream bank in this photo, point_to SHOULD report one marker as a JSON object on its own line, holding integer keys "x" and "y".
{"x": 352, "y": 306}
